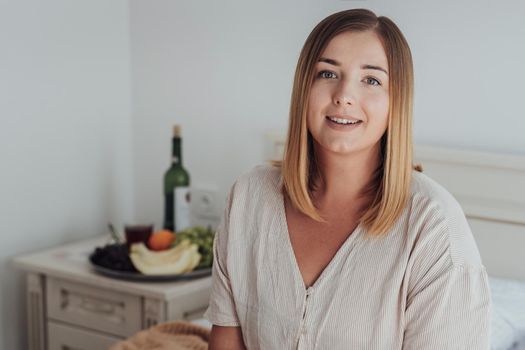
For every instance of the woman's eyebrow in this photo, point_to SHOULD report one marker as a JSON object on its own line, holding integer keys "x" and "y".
{"x": 364, "y": 66}
{"x": 369, "y": 66}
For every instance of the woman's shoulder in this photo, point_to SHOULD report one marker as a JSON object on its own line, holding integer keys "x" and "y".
{"x": 438, "y": 217}
{"x": 256, "y": 188}
{"x": 263, "y": 177}
{"x": 426, "y": 188}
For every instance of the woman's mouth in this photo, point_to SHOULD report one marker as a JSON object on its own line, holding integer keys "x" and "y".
{"x": 342, "y": 123}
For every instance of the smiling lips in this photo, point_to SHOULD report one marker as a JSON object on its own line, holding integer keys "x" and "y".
{"x": 344, "y": 120}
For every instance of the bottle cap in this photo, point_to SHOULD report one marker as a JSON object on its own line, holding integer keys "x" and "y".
{"x": 176, "y": 130}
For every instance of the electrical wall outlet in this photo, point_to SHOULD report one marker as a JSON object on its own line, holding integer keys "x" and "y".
{"x": 204, "y": 201}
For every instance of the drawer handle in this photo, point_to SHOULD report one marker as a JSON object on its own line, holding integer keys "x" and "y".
{"x": 98, "y": 307}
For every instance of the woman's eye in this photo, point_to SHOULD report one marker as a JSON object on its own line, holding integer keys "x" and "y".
{"x": 326, "y": 74}
{"x": 372, "y": 81}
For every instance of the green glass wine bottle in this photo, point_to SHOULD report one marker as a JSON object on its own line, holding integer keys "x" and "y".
{"x": 176, "y": 189}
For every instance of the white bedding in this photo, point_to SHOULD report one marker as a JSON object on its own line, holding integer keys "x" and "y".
{"x": 508, "y": 314}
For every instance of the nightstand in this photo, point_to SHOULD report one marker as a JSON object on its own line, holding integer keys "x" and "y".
{"x": 69, "y": 306}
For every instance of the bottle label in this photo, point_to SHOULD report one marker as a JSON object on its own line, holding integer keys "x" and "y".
{"x": 181, "y": 208}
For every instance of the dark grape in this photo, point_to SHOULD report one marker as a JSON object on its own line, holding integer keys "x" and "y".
{"x": 113, "y": 256}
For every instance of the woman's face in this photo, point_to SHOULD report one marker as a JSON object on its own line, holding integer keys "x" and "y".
{"x": 348, "y": 105}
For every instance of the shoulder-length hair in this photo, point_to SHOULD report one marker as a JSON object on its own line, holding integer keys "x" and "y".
{"x": 389, "y": 189}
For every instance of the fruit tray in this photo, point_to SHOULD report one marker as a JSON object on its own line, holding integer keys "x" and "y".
{"x": 137, "y": 276}
{"x": 113, "y": 261}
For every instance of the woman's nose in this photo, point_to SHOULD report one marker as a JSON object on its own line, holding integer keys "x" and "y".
{"x": 344, "y": 94}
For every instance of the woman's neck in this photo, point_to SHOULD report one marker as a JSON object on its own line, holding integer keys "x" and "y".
{"x": 343, "y": 178}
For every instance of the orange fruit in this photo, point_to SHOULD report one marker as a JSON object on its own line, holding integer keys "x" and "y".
{"x": 161, "y": 240}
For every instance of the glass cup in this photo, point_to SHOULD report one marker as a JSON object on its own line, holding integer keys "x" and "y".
{"x": 137, "y": 233}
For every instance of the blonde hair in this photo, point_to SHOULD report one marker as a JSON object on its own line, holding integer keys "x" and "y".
{"x": 390, "y": 186}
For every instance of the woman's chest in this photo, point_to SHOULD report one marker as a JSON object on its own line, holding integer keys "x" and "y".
{"x": 359, "y": 298}
{"x": 314, "y": 245}
{"x": 314, "y": 248}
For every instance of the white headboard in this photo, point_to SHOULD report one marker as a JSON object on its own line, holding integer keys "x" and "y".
{"x": 491, "y": 190}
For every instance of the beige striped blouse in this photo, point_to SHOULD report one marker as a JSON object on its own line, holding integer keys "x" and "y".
{"x": 421, "y": 287}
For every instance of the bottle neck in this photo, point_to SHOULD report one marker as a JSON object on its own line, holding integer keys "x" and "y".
{"x": 176, "y": 153}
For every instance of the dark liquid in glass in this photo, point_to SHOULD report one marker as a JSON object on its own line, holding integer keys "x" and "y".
{"x": 137, "y": 234}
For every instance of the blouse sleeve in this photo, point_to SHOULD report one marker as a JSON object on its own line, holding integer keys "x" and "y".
{"x": 449, "y": 309}
{"x": 221, "y": 310}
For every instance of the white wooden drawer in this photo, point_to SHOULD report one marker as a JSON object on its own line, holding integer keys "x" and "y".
{"x": 95, "y": 308}
{"x": 62, "y": 337}
{"x": 189, "y": 306}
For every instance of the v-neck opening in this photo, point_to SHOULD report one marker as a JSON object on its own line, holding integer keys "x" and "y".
{"x": 291, "y": 251}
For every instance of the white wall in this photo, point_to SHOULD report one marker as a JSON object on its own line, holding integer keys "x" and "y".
{"x": 65, "y": 133}
{"x": 468, "y": 59}
{"x": 224, "y": 71}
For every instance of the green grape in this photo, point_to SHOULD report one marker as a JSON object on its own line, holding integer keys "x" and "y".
{"x": 203, "y": 238}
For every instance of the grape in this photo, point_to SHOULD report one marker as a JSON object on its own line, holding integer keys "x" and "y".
{"x": 203, "y": 238}
{"x": 113, "y": 256}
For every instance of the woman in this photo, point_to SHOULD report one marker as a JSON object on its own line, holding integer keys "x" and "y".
{"x": 342, "y": 245}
